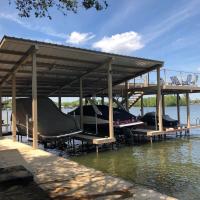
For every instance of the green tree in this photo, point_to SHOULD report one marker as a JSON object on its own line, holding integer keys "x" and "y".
{"x": 40, "y": 8}
{"x": 170, "y": 100}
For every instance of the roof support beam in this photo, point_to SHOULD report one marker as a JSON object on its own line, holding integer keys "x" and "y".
{"x": 20, "y": 53}
{"x": 6, "y": 62}
{"x": 159, "y": 100}
{"x": 14, "y": 131}
{"x": 68, "y": 83}
{"x": 11, "y": 52}
{"x": 126, "y": 95}
{"x": 188, "y": 109}
{"x": 110, "y": 100}
{"x": 60, "y": 58}
{"x": 131, "y": 77}
{"x": 137, "y": 74}
{"x": 34, "y": 102}
{"x": 81, "y": 103}
{"x": 17, "y": 65}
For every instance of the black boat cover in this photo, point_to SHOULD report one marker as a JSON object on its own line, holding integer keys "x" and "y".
{"x": 52, "y": 123}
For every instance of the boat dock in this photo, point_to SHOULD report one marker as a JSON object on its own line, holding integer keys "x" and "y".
{"x": 91, "y": 139}
{"x": 38, "y": 69}
{"x": 32, "y": 68}
{"x": 152, "y": 134}
{"x": 61, "y": 178}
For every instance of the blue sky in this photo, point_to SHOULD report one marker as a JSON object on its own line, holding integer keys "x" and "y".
{"x": 164, "y": 30}
{"x": 158, "y": 29}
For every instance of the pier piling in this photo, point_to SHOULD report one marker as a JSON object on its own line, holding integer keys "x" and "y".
{"x": 14, "y": 108}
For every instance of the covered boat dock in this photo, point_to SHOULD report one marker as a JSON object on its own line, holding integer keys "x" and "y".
{"x": 172, "y": 82}
{"x": 32, "y": 68}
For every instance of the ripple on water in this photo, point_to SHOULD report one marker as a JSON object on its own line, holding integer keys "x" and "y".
{"x": 171, "y": 167}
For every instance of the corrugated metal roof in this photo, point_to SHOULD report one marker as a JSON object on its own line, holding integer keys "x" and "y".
{"x": 59, "y": 65}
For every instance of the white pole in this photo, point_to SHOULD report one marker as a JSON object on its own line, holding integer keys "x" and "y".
{"x": 102, "y": 100}
{"x": 59, "y": 101}
{"x": 178, "y": 108}
{"x": 188, "y": 109}
{"x": 126, "y": 96}
{"x": 34, "y": 102}
{"x": 81, "y": 103}
{"x": 163, "y": 104}
{"x": 159, "y": 101}
{"x": 14, "y": 108}
{"x": 142, "y": 106}
{"x": 110, "y": 99}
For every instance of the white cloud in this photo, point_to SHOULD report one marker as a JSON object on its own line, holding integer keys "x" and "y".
{"x": 124, "y": 43}
{"x": 198, "y": 69}
{"x": 174, "y": 18}
{"x": 73, "y": 38}
{"x": 51, "y": 41}
{"x": 78, "y": 38}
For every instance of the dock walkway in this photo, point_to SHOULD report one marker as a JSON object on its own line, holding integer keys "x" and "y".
{"x": 64, "y": 179}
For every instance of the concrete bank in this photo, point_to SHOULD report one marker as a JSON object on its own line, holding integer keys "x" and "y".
{"x": 64, "y": 179}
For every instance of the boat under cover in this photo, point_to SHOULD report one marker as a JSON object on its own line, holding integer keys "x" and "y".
{"x": 96, "y": 119}
{"x": 168, "y": 122}
{"x": 52, "y": 123}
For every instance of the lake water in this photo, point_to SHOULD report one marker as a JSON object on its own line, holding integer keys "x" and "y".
{"x": 171, "y": 167}
{"x": 194, "y": 112}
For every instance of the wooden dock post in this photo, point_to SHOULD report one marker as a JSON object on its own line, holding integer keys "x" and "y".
{"x": 81, "y": 103}
{"x": 34, "y": 101}
{"x": 188, "y": 111}
{"x": 151, "y": 139}
{"x": 102, "y": 100}
{"x": 1, "y": 112}
{"x": 14, "y": 108}
{"x": 159, "y": 100}
{"x": 60, "y": 101}
{"x": 178, "y": 108}
{"x": 110, "y": 100}
{"x": 163, "y": 104}
{"x": 126, "y": 96}
{"x": 142, "y": 106}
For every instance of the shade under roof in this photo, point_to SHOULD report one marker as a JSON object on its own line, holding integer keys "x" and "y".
{"x": 59, "y": 68}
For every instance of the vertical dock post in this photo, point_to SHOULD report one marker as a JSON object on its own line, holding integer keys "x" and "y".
{"x": 14, "y": 108}
{"x": 188, "y": 110}
{"x": 1, "y": 112}
{"x": 159, "y": 100}
{"x": 178, "y": 109}
{"x": 142, "y": 106}
{"x": 34, "y": 101}
{"x": 59, "y": 101}
{"x": 163, "y": 104}
{"x": 102, "y": 100}
{"x": 81, "y": 103}
{"x": 126, "y": 96}
{"x": 110, "y": 100}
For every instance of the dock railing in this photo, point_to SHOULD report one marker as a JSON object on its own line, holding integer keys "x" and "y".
{"x": 168, "y": 77}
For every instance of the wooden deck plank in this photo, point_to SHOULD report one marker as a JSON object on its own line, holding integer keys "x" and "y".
{"x": 94, "y": 140}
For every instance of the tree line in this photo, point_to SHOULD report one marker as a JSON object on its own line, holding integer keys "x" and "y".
{"x": 170, "y": 100}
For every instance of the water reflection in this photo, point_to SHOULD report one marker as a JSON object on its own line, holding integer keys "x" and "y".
{"x": 171, "y": 167}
